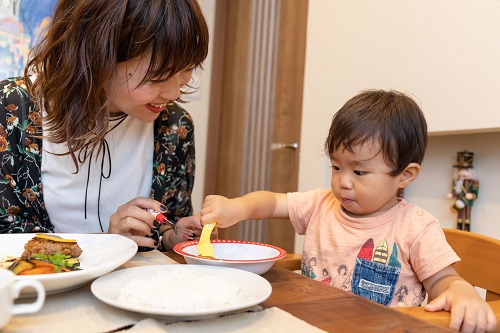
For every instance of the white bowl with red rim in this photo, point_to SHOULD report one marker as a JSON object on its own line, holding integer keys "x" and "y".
{"x": 254, "y": 257}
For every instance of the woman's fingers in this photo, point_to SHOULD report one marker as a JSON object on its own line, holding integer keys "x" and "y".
{"x": 133, "y": 226}
{"x": 133, "y": 221}
{"x": 143, "y": 241}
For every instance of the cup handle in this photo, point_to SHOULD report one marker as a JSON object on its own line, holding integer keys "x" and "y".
{"x": 31, "y": 307}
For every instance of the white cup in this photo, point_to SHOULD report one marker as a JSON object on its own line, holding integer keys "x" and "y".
{"x": 10, "y": 289}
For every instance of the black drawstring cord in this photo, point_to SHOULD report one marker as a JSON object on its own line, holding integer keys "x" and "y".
{"x": 105, "y": 150}
{"x": 88, "y": 179}
{"x": 105, "y": 147}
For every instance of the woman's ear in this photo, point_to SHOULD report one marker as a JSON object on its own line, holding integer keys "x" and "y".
{"x": 409, "y": 174}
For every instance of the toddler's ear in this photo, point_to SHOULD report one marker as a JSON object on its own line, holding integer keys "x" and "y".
{"x": 409, "y": 174}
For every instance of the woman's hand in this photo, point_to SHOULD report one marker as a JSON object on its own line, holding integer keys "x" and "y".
{"x": 189, "y": 222}
{"x": 131, "y": 220}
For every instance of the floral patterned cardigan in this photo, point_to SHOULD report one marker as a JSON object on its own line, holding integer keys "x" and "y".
{"x": 22, "y": 207}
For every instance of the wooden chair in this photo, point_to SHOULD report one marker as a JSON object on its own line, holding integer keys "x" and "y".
{"x": 480, "y": 266}
{"x": 291, "y": 261}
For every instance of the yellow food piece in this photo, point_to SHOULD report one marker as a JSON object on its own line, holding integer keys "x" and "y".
{"x": 55, "y": 238}
{"x": 22, "y": 265}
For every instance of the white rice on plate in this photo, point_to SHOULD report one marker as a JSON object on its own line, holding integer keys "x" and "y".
{"x": 180, "y": 289}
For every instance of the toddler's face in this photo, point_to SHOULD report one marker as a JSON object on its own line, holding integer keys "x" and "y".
{"x": 361, "y": 181}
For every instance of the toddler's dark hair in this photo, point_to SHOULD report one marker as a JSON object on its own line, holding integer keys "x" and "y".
{"x": 390, "y": 118}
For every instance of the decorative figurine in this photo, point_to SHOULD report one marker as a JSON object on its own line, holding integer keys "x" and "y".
{"x": 465, "y": 189}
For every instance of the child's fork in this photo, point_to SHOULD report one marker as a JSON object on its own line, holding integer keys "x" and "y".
{"x": 205, "y": 248}
{"x": 179, "y": 231}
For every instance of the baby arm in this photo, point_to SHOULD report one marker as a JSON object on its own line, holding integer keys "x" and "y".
{"x": 255, "y": 205}
{"x": 449, "y": 292}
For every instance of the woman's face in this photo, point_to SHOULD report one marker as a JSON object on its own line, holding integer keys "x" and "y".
{"x": 145, "y": 102}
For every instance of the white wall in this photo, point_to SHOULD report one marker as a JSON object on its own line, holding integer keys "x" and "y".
{"x": 441, "y": 51}
{"x": 445, "y": 53}
{"x": 429, "y": 190}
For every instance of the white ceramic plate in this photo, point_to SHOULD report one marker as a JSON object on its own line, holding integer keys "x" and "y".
{"x": 254, "y": 257}
{"x": 102, "y": 253}
{"x": 253, "y": 289}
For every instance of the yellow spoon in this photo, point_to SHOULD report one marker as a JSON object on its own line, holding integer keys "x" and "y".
{"x": 205, "y": 248}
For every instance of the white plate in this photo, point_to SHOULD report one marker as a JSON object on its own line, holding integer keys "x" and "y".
{"x": 102, "y": 253}
{"x": 253, "y": 289}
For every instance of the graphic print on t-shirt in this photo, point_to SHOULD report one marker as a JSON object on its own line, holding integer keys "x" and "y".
{"x": 327, "y": 279}
{"x": 375, "y": 273}
{"x": 419, "y": 294}
{"x": 307, "y": 268}
{"x": 342, "y": 277}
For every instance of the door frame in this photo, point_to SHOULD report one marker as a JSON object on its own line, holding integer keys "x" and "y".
{"x": 288, "y": 93}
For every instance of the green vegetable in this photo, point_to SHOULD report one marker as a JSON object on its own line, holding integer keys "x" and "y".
{"x": 58, "y": 259}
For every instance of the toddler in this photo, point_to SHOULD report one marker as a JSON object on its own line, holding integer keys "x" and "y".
{"x": 386, "y": 249}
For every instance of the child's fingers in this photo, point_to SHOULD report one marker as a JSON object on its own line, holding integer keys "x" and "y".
{"x": 208, "y": 216}
{"x": 474, "y": 322}
{"x": 481, "y": 320}
{"x": 439, "y": 303}
{"x": 459, "y": 320}
{"x": 491, "y": 322}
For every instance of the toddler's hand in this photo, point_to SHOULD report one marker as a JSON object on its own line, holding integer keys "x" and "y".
{"x": 222, "y": 210}
{"x": 469, "y": 312}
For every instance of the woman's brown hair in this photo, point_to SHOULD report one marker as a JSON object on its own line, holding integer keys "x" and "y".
{"x": 389, "y": 118}
{"x": 82, "y": 47}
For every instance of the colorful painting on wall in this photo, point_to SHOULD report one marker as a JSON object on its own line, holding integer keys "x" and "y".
{"x": 21, "y": 24}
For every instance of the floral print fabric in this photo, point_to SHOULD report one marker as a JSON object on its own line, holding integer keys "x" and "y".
{"x": 22, "y": 207}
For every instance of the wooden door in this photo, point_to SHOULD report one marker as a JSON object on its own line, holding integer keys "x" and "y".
{"x": 256, "y": 107}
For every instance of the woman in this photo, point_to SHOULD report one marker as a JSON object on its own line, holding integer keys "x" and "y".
{"x": 92, "y": 135}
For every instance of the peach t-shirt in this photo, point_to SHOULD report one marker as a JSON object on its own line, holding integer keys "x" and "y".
{"x": 383, "y": 258}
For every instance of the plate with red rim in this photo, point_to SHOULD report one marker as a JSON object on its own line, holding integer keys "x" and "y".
{"x": 250, "y": 256}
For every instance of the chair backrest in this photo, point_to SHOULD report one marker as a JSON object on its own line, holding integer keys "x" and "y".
{"x": 480, "y": 260}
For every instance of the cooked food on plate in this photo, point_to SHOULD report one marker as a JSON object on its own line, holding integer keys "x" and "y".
{"x": 51, "y": 244}
{"x": 45, "y": 254}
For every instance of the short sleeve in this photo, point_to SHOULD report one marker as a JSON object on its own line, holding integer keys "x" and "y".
{"x": 430, "y": 252}
{"x": 303, "y": 205}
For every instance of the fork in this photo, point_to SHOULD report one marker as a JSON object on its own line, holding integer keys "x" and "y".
{"x": 179, "y": 231}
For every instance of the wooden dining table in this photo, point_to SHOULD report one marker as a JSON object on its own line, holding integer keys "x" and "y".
{"x": 296, "y": 303}
{"x": 332, "y": 309}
